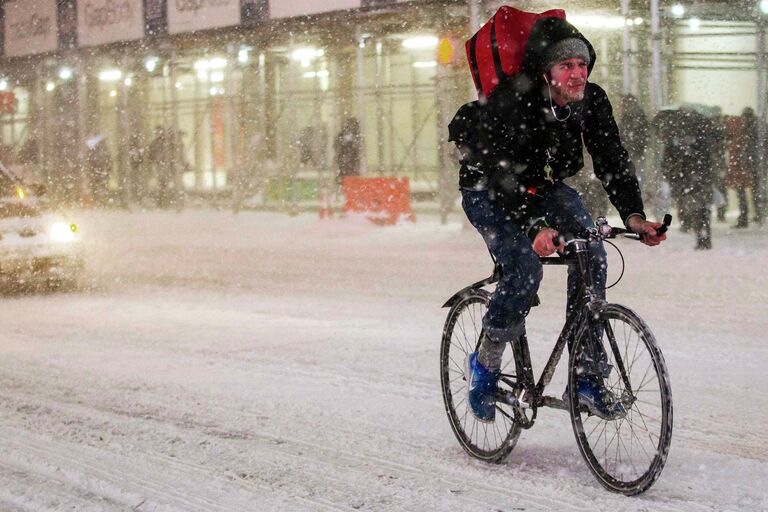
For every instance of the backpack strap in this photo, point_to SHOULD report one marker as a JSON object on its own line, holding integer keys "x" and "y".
{"x": 495, "y": 52}
{"x": 473, "y": 61}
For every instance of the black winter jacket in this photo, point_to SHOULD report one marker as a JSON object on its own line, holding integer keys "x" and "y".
{"x": 507, "y": 140}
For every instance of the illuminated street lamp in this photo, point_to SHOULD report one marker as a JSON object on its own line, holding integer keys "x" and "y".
{"x": 151, "y": 63}
{"x": 678, "y": 10}
{"x": 65, "y": 73}
{"x": 243, "y": 55}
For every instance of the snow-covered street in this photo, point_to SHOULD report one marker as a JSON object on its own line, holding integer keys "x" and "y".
{"x": 260, "y": 362}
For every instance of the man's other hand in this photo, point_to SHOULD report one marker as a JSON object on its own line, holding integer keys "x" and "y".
{"x": 544, "y": 244}
{"x": 647, "y": 230}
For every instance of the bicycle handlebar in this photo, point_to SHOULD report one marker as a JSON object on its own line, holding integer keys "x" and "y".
{"x": 603, "y": 231}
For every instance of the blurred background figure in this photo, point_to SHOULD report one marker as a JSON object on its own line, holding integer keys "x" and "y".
{"x": 634, "y": 127}
{"x": 166, "y": 153}
{"x": 249, "y": 181}
{"x": 347, "y": 146}
{"x": 99, "y": 169}
{"x": 743, "y": 165}
{"x": 635, "y": 132}
{"x": 158, "y": 158}
{"x": 178, "y": 167}
{"x": 667, "y": 125}
{"x": 719, "y": 163}
{"x": 137, "y": 181}
{"x": 687, "y": 167}
{"x": 306, "y": 143}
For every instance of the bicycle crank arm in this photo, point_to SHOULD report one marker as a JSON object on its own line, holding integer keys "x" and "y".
{"x": 507, "y": 397}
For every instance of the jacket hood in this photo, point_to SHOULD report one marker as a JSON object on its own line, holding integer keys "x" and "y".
{"x": 545, "y": 33}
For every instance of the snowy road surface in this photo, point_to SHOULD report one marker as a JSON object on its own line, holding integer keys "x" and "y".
{"x": 259, "y": 362}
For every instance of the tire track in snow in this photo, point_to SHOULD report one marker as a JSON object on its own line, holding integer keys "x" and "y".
{"x": 347, "y": 459}
{"x": 334, "y": 460}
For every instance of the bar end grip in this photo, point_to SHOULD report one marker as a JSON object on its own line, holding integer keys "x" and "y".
{"x": 665, "y": 224}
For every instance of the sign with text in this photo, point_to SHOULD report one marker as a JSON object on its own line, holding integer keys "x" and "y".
{"x": 283, "y": 9}
{"x": 107, "y": 21}
{"x": 66, "y": 10}
{"x": 254, "y": 11}
{"x": 30, "y": 27}
{"x": 191, "y": 15}
{"x": 155, "y": 21}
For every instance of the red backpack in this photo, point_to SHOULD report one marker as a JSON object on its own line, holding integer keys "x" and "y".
{"x": 497, "y": 49}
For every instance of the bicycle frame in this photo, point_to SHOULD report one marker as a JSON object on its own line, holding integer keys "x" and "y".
{"x": 587, "y": 300}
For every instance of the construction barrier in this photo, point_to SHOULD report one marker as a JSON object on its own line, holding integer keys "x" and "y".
{"x": 383, "y": 200}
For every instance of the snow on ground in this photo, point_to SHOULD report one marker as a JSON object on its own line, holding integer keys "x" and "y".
{"x": 260, "y": 362}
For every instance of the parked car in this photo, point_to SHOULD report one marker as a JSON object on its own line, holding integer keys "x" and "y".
{"x": 37, "y": 246}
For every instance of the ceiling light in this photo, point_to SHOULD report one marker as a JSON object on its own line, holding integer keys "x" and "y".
{"x": 420, "y": 42}
{"x": 110, "y": 75}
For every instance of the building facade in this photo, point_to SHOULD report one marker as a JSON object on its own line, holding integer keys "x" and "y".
{"x": 255, "y": 91}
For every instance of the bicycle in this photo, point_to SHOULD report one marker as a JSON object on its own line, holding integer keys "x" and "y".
{"x": 626, "y": 454}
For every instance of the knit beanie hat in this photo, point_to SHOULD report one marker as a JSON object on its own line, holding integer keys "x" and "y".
{"x": 564, "y": 49}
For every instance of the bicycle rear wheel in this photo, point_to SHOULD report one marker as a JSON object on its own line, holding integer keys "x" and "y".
{"x": 488, "y": 441}
{"x": 627, "y": 453}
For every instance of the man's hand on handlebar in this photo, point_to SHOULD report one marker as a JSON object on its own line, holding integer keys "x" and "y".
{"x": 646, "y": 230}
{"x": 544, "y": 243}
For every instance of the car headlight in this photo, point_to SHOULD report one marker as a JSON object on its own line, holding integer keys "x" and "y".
{"x": 62, "y": 232}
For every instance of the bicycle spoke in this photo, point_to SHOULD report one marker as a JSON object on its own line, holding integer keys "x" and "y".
{"x": 643, "y": 381}
{"x": 626, "y": 454}
{"x": 629, "y": 456}
{"x": 459, "y": 367}
{"x": 640, "y": 442}
{"x": 485, "y": 440}
{"x": 645, "y": 402}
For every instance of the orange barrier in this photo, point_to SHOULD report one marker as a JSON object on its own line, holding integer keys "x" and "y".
{"x": 383, "y": 199}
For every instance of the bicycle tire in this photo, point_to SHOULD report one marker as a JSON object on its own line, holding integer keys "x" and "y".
{"x": 647, "y": 424}
{"x": 487, "y": 441}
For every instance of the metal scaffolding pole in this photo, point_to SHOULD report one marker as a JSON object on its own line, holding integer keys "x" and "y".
{"x": 474, "y": 15}
{"x": 123, "y": 135}
{"x": 176, "y": 167}
{"x": 655, "y": 84}
{"x": 760, "y": 187}
{"x": 360, "y": 64}
{"x": 626, "y": 51}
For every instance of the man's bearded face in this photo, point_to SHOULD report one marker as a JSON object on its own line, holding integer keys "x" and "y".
{"x": 567, "y": 79}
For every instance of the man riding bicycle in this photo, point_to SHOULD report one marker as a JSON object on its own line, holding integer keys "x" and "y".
{"x": 517, "y": 147}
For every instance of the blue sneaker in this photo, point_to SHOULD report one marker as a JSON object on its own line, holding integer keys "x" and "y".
{"x": 481, "y": 386}
{"x": 598, "y": 400}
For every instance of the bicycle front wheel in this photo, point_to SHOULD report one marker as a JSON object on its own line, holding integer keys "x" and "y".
{"x": 488, "y": 441}
{"x": 628, "y": 452}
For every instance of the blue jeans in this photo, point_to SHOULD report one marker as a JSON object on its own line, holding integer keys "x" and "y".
{"x": 513, "y": 250}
